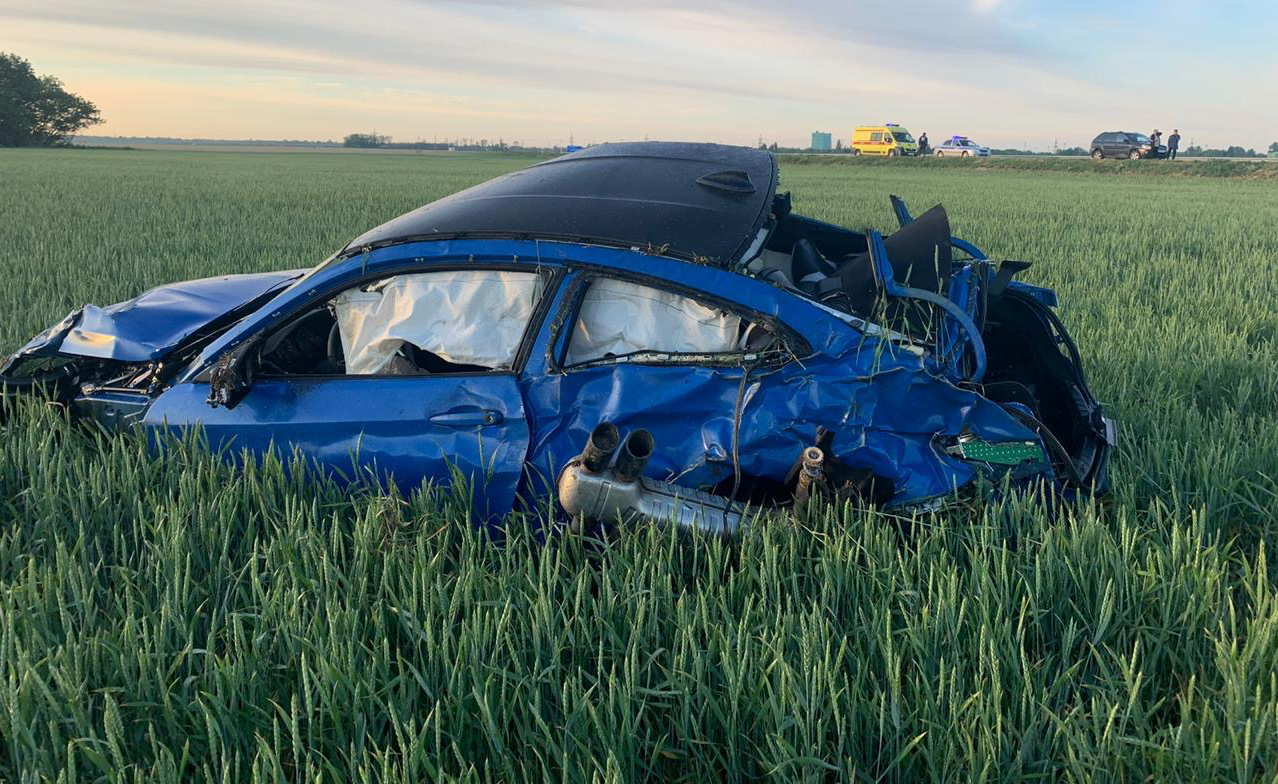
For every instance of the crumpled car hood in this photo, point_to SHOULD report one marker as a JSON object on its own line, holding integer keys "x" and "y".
{"x": 151, "y": 325}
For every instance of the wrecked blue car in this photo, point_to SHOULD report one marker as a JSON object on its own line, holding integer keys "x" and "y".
{"x": 513, "y": 333}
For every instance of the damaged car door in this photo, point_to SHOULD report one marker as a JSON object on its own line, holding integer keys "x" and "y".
{"x": 409, "y": 377}
{"x": 643, "y": 353}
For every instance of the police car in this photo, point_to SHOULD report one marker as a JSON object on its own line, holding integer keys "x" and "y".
{"x": 961, "y": 147}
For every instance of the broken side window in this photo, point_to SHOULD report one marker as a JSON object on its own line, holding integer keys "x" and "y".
{"x": 450, "y": 321}
{"x": 619, "y": 319}
{"x": 473, "y": 318}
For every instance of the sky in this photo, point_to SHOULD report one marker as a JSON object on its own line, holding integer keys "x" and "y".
{"x": 1010, "y": 73}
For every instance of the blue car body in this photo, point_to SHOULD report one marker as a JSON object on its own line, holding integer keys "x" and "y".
{"x": 151, "y": 325}
{"x": 891, "y": 405}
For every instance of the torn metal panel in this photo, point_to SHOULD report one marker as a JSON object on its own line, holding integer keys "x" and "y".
{"x": 885, "y": 418}
{"x": 152, "y": 324}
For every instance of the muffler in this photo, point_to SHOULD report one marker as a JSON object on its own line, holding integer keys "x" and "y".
{"x": 592, "y": 492}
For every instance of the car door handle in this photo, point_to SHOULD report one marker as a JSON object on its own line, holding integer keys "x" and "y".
{"x": 468, "y": 417}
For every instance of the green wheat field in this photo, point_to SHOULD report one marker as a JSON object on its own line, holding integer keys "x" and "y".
{"x": 180, "y": 619}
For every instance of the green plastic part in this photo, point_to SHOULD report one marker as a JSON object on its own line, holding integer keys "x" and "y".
{"x": 1008, "y": 453}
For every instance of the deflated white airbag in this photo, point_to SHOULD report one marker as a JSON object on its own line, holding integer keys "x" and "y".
{"x": 470, "y": 317}
{"x": 618, "y": 317}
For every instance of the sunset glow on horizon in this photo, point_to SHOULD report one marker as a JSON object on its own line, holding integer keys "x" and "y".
{"x": 1011, "y": 72}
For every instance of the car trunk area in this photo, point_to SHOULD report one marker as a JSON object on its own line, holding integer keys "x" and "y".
{"x": 1034, "y": 369}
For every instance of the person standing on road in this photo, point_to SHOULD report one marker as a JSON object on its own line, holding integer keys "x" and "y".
{"x": 923, "y": 148}
{"x": 1173, "y": 143}
{"x": 1154, "y": 139}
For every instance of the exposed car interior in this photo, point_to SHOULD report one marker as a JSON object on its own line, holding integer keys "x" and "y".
{"x": 832, "y": 265}
{"x": 473, "y": 321}
{"x": 799, "y": 247}
{"x": 1033, "y": 367}
{"x": 619, "y": 319}
{"x": 450, "y": 321}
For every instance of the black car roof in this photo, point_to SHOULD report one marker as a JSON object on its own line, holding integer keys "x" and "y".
{"x": 702, "y": 201}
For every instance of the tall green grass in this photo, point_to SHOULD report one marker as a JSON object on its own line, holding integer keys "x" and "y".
{"x": 183, "y": 619}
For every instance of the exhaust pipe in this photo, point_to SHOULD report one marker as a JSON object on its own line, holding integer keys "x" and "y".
{"x": 634, "y": 455}
{"x": 620, "y": 493}
{"x": 600, "y": 447}
{"x": 812, "y": 471}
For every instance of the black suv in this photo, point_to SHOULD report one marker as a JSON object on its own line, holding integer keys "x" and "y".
{"x": 1121, "y": 144}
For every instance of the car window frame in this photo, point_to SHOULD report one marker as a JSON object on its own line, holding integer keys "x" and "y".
{"x": 551, "y": 277}
{"x": 794, "y": 346}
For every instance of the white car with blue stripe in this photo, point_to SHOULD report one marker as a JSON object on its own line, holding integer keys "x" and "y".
{"x": 961, "y": 147}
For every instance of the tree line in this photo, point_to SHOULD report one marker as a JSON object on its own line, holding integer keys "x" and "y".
{"x": 378, "y": 141}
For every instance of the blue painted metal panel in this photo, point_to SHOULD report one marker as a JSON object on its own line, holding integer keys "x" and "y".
{"x": 150, "y": 325}
{"x": 886, "y": 418}
{"x": 410, "y": 428}
{"x": 885, "y": 405}
{"x": 967, "y": 247}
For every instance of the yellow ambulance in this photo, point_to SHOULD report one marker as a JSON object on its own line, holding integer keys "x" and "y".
{"x": 885, "y": 139}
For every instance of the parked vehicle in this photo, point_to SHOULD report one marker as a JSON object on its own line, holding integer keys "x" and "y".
{"x": 961, "y": 147}
{"x": 1125, "y": 144}
{"x": 886, "y": 139}
{"x": 665, "y": 291}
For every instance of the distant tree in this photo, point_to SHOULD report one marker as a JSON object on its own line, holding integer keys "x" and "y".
{"x": 1071, "y": 151}
{"x": 35, "y": 111}
{"x": 1232, "y": 151}
{"x": 1273, "y": 147}
{"x": 365, "y": 140}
